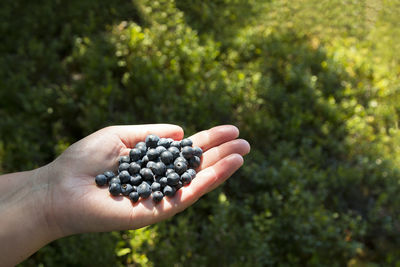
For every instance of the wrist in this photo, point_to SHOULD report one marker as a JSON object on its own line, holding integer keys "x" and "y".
{"x": 26, "y": 223}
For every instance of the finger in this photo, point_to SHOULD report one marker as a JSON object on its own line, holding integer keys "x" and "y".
{"x": 214, "y": 136}
{"x": 238, "y": 146}
{"x": 132, "y": 134}
{"x": 209, "y": 179}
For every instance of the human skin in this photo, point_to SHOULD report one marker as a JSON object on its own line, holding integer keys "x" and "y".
{"x": 61, "y": 198}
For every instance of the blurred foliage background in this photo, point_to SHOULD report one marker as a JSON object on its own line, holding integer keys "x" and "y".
{"x": 313, "y": 85}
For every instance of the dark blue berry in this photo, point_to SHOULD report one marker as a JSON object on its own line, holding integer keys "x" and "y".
{"x": 114, "y": 189}
{"x": 125, "y": 177}
{"x": 152, "y": 154}
{"x": 115, "y": 180}
{"x": 180, "y": 167}
{"x": 147, "y": 174}
{"x": 160, "y": 149}
{"x": 157, "y": 196}
{"x": 181, "y": 159}
{"x": 152, "y": 140}
{"x": 155, "y": 186}
{"x": 123, "y": 167}
{"x": 134, "y": 168}
{"x": 135, "y": 154}
{"x": 178, "y": 186}
{"x": 126, "y": 189}
{"x": 173, "y": 178}
{"x": 163, "y": 181}
{"x": 136, "y": 179}
{"x": 134, "y": 196}
{"x": 168, "y": 171}
{"x": 109, "y": 175}
{"x": 164, "y": 142}
{"x": 124, "y": 159}
{"x": 176, "y": 144}
{"x": 186, "y": 178}
{"x": 186, "y": 142}
{"x": 194, "y": 162}
{"x": 197, "y": 151}
{"x": 167, "y": 157}
{"x": 140, "y": 144}
{"x": 192, "y": 173}
{"x": 175, "y": 151}
{"x": 160, "y": 168}
{"x": 145, "y": 160}
{"x": 187, "y": 152}
{"x": 169, "y": 191}
{"x": 144, "y": 190}
{"x": 101, "y": 180}
{"x": 151, "y": 165}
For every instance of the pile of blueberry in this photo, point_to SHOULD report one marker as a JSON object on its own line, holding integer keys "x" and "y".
{"x": 157, "y": 167}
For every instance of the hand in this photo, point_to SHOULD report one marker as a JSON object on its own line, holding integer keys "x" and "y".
{"x": 75, "y": 204}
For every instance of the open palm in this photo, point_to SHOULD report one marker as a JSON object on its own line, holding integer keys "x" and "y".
{"x": 78, "y": 205}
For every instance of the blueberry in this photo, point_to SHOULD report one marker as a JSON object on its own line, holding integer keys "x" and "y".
{"x": 197, "y": 151}
{"x": 194, "y": 162}
{"x": 147, "y": 174}
{"x": 160, "y": 168}
{"x": 152, "y": 140}
{"x": 144, "y": 190}
{"x": 125, "y": 177}
{"x": 186, "y": 178}
{"x": 187, "y": 152}
{"x": 145, "y": 159}
{"x": 152, "y": 154}
{"x": 176, "y": 144}
{"x": 173, "y": 178}
{"x": 170, "y": 140}
{"x": 140, "y": 144}
{"x": 155, "y": 186}
{"x": 109, "y": 175}
{"x": 192, "y": 173}
{"x": 135, "y": 154}
{"x": 151, "y": 165}
{"x": 136, "y": 179}
{"x": 175, "y": 151}
{"x": 124, "y": 159}
{"x": 186, "y": 142}
{"x": 167, "y": 157}
{"x": 164, "y": 142}
{"x": 160, "y": 149}
{"x": 134, "y": 196}
{"x": 126, "y": 189}
{"x": 157, "y": 196}
{"x": 101, "y": 180}
{"x": 115, "y": 180}
{"x": 178, "y": 186}
{"x": 181, "y": 159}
{"x": 123, "y": 167}
{"x": 169, "y": 191}
{"x": 134, "y": 168}
{"x": 170, "y": 166}
{"x": 180, "y": 167}
{"x": 168, "y": 171}
{"x": 114, "y": 189}
{"x": 163, "y": 181}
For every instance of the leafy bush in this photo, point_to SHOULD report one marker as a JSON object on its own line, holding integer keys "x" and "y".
{"x": 321, "y": 185}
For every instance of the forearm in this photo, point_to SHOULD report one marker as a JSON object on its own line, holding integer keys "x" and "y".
{"x": 24, "y": 222}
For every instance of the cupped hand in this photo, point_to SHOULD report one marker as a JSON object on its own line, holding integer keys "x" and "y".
{"x": 75, "y": 204}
